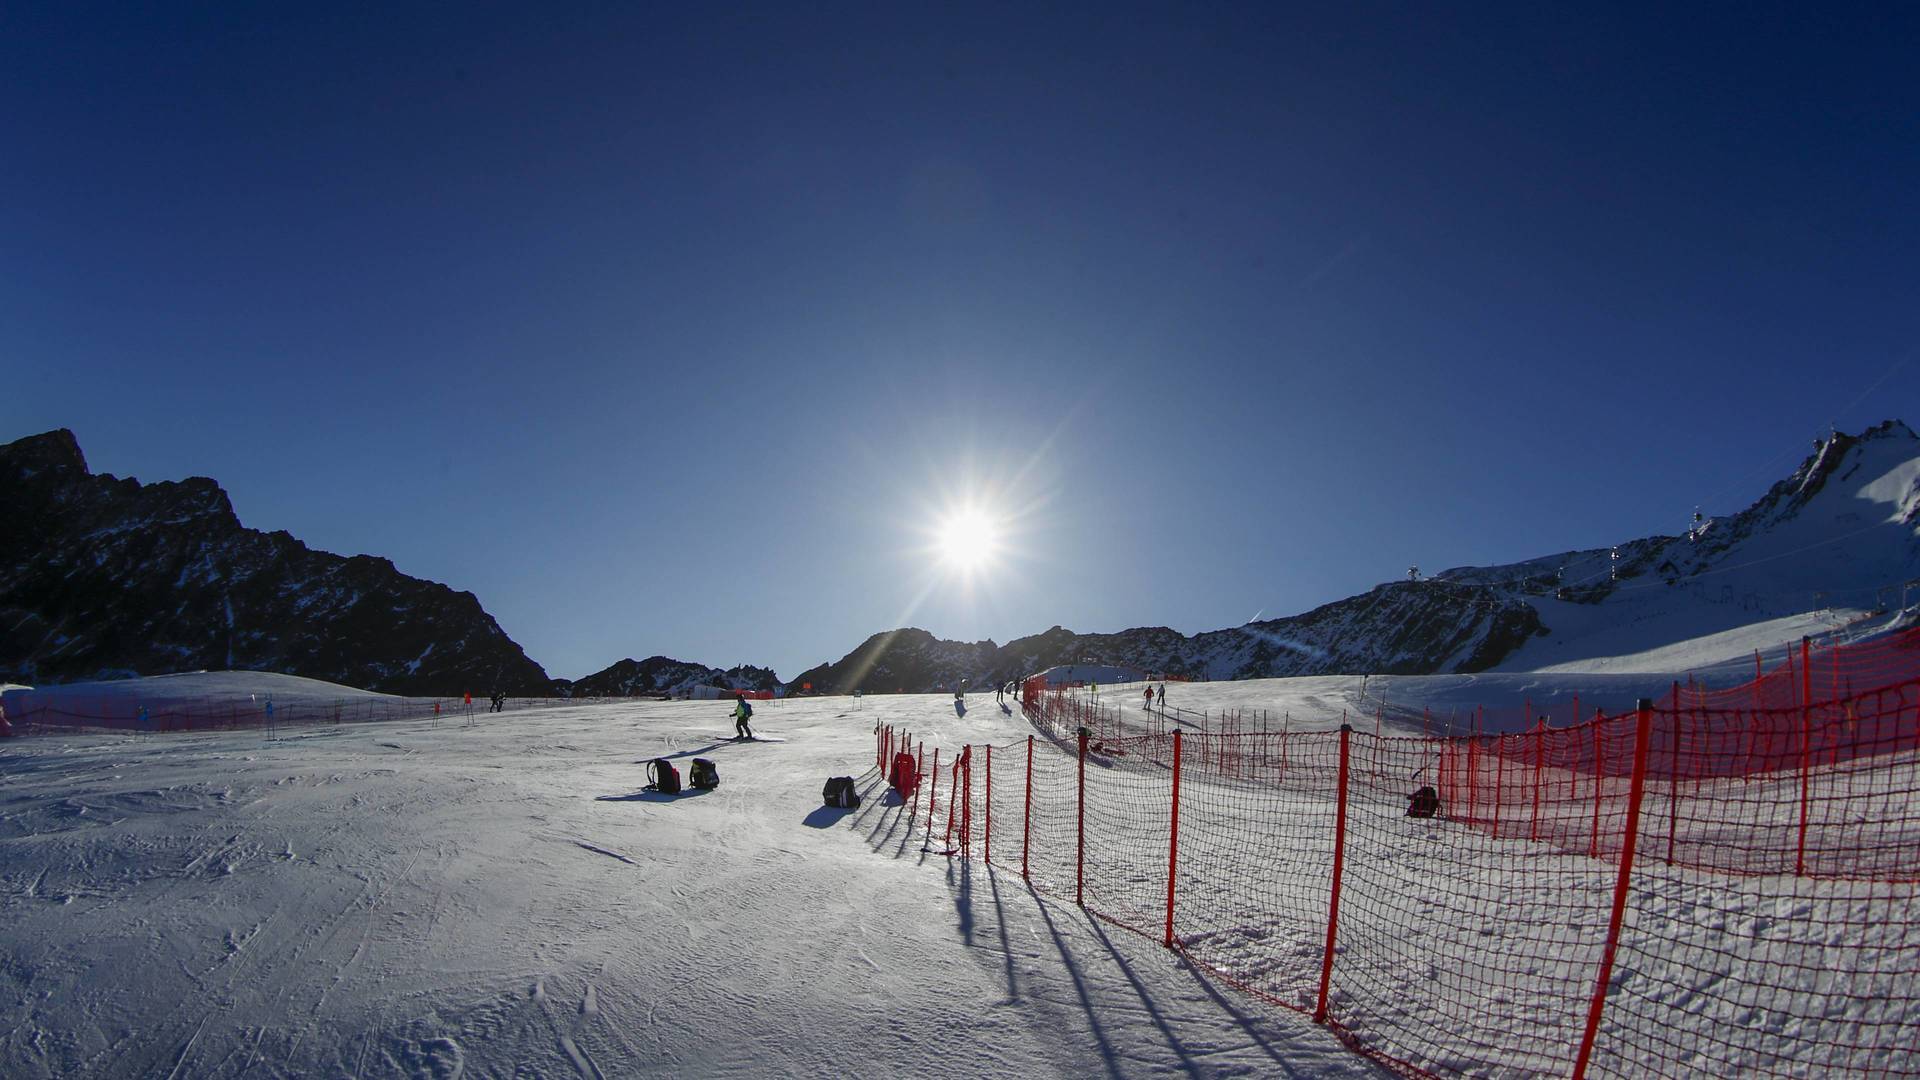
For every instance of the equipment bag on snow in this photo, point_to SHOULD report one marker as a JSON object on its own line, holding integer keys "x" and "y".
{"x": 1425, "y": 803}
{"x": 905, "y": 776}
{"x": 703, "y": 774}
{"x": 839, "y": 792}
{"x": 665, "y": 778}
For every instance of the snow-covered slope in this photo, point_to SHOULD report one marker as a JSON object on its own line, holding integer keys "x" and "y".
{"x": 503, "y": 900}
{"x": 1828, "y": 545}
{"x": 1825, "y": 547}
{"x": 191, "y": 688}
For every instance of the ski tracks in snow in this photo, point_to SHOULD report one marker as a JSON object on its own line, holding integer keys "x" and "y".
{"x": 359, "y": 949}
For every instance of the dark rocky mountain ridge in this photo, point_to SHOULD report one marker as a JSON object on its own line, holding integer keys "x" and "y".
{"x": 1402, "y": 628}
{"x": 102, "y": 577}
{"x": 660, "y": 676}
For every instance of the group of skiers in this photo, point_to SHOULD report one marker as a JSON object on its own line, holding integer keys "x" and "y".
{"x": 743, "y": 712}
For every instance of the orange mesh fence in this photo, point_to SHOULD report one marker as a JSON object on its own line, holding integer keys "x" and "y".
{"x": 1708, "y": 886}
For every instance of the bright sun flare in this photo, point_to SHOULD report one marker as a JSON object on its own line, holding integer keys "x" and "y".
{"x": 967, "y": 539}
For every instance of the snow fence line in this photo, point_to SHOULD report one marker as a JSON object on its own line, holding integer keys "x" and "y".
{"x": 51, "y": 713}
{"x": 1719, "y": 883}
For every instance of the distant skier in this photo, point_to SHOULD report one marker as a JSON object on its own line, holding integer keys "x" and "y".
{"x": 1163, "y": 695}
{"x": 742, "y": 712}
{"x": 1149, "y": 697}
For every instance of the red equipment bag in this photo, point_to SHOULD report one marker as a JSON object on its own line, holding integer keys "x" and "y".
{"x": 905, "y": 777}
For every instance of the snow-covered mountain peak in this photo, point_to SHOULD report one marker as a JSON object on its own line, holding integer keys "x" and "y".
{"x": 1847, "y": 515}
{"x": 1840, "y": 536}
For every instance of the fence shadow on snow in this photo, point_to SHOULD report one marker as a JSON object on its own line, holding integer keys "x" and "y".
{"x": 1718, "y": 883}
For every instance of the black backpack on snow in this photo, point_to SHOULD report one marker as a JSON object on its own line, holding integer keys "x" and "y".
{"x": 1424, "y": 804}
{"x": 666, "y": 778}
{"x": 839, "y": 793}
{"x": 703, "y": 774}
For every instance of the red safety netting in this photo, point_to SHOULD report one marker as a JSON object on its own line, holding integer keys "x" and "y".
{"x": 1712, "y": 885}
{"x": 36, "y": 714}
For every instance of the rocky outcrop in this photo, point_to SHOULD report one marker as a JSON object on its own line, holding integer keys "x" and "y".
{"x": 907, "y": 660}
{"x": 660, "y": 676}
{"x": 1402, "y": 628}
{"x": 103, "y": 577}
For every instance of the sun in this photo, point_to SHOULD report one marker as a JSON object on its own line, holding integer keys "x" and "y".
{"x": 967, "y": 539}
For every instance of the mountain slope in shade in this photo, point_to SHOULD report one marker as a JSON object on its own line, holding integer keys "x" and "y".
{"x": 1404, "y": 628}
{"x": 661, "y": 676}
{"x": 102, "y": 577}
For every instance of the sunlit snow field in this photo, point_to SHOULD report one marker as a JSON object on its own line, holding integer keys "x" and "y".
{"x": 495, "y": 895}
{"x": 501, "y": 898}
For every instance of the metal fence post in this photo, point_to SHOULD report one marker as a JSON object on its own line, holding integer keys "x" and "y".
{"x": 1026, "y": 819}
{"x": 1173, "y": 840}
{"x": 1806, "y": 754}
{"x": 1642, "y": 735}
{"x": 1339, "y": 857}
{"x": 1080, "y": 841}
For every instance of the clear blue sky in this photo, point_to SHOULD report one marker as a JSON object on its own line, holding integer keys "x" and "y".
{"x": 672, "y": 331}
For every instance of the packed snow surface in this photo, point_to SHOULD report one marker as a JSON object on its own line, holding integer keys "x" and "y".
{"x": 190, "y": 688}
{"x": 495, "y": 895}
{"x": 501, "y": 898}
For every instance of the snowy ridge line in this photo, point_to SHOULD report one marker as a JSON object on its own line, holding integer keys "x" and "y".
{"x": 1472, "y": 593}
{"x": 1829, "y": 671}
{"x": 1769, "y": 903}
